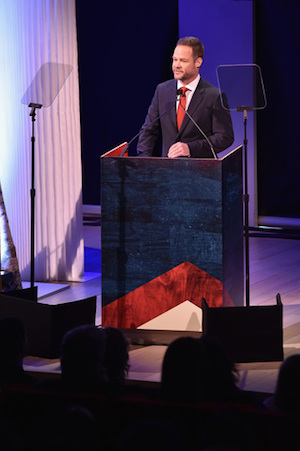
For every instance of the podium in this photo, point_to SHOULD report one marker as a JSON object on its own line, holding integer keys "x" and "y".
{"x": 172, "y": 231}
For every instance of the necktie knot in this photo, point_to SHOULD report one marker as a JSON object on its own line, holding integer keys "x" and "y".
{"x": 181, "y": 106}
{"x": 183, "y": 91}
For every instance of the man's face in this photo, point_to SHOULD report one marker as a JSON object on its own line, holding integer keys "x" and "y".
{"x": 184, "y": 67}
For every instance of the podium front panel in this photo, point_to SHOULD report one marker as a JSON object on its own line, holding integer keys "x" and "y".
{"x": 158, "y": 213}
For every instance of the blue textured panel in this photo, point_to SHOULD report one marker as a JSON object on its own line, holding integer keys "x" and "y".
{"x": 158, "y": 213}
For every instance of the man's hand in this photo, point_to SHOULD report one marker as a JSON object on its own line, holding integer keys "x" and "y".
{"x": 179, "y": 150}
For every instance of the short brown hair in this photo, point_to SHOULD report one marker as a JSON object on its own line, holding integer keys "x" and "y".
{"x": 197, "y": 46}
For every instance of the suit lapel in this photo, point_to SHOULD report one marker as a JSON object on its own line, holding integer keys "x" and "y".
{"x": 171, "y": 95}
{"x": 197, "y": 99}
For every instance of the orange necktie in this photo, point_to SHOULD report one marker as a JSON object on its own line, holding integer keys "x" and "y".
{"x": 181, "y": 107}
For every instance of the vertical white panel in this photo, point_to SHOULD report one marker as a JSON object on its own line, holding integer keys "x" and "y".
{"x": 32, "y": 33}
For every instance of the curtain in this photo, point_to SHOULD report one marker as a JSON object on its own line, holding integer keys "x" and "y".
{"x": 34, "y": 32}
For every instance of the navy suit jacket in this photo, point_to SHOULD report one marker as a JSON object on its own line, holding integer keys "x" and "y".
{"x": 205, "y": 108}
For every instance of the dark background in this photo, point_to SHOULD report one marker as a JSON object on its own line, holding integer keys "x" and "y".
{"x": 278, "y": 156}
{"x": 125, "y": 49}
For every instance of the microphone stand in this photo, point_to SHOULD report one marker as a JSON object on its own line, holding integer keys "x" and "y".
{"x": 147, "y": 126}
{"x": 202, "y": 133}
{"x": 179, "y": 92}
{"x": 128, "y": 144}
{"x": 246, "y": 206}
{"x": 138, "y": 134}
{"x": 33, "y": 107}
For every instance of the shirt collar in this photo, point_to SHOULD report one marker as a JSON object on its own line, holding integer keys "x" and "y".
{"x": 191, "y": 86}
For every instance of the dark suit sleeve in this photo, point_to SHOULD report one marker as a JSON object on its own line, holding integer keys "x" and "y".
{"x": 151, "y": 130}
{"x": 217, "y": 126}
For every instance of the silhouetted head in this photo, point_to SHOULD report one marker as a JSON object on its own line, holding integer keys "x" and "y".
{"x": 182, "y": 370}
{"x": 287, "y": 393}
{"x": 116, "y": 354}
{"x": 82, "y": 354}
{"x": 219, "y": 372}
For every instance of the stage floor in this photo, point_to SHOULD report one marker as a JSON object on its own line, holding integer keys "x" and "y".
{"x": 274, "y": 268}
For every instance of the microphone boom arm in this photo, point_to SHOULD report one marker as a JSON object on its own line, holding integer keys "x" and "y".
{"x": 203, "y": 134}
{"x": 138, "y": 134}
{"x": 179, "y": 91}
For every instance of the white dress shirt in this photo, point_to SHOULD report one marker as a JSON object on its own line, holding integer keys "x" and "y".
{"x": 191, "y": 89}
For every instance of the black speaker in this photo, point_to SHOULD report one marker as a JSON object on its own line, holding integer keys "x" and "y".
{"x": 250, "y": 334}
{"x": 45, "y": 325}
{"x": 31, "y": 294}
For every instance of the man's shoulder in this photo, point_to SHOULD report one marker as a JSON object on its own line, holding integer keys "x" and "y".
{"x": 209, "y": 90}
{"x": 169, "y": 84}
{"x": 204, "y": 84}
{"x": 166, "y": 90}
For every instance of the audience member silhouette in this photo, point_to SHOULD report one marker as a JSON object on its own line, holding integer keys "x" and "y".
{"x": 182, "y": 370}
{"x": 116, "y": 357}
{"x": 116, "y": 362}
{"x": 13, "y": 348}
{"x": 80, "y": 394}
{"x": 199, "y": 369}
{"x": 82, "y": 359}
{"x": 286, "y": 398}
{"x": 219, "y": 375}
{"x": 82, "y": 362}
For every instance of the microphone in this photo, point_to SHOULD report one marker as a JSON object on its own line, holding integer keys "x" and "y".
{"x": 138, "y": 134}
{"x": 178, "y": 93}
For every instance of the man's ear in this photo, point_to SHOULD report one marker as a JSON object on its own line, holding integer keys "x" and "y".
{"x": 199, "y": 62}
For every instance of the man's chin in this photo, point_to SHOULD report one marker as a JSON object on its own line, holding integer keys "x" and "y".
{"x": 178, "y": 76}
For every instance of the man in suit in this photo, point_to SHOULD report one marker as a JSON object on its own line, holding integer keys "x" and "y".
{"x": 203, "y": 103}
